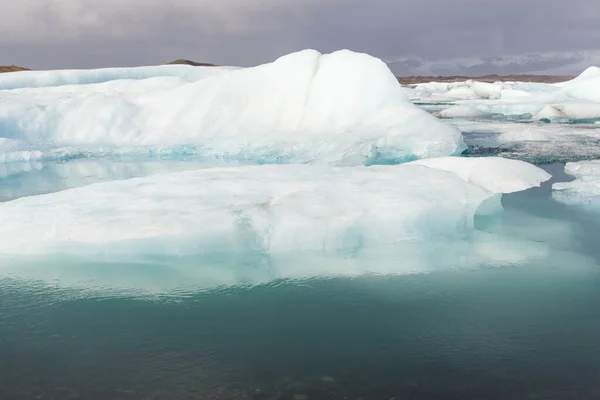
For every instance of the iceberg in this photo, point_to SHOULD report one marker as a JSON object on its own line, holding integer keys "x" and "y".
{"x": 569, "y": 111}
{"x": 577, "y": 99}
{"x": 342, "y": 108}
{"x": 461, "y": 112}
{"x": 269, "y": 209}
{"x": 585, "y": 189}
{"x": 584, "y": 86}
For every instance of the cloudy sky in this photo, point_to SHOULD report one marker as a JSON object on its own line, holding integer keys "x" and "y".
{"x": 416, "y": 34}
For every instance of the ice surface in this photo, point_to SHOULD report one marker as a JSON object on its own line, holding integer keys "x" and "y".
{"x": 267, "y": 209}
{"x": 39, "y": 79}
{"x": 474, "y": 90}
{"x": 461, "y": 112}
{"x": 344, "y": 108}
{"x": 569, "y": 111}
{"x": 585, "y": 189}
{"x": 495, "y": 174}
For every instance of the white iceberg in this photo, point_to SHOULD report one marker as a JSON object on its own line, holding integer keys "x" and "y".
{"x": 345, "y": 108}
{"x": 273, "y": 209}
{"x": 461, "y": 112}
{"x": 569, "y": 111}
{"x": 577, "y": 99}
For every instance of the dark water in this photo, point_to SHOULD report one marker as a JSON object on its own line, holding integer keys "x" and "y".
{"x": 499, "y": 333}
{"x": 524, "y": 326}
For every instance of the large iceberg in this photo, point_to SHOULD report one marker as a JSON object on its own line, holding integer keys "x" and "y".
{"x": 270, "y": 209}
{"x": 344, "y": 108}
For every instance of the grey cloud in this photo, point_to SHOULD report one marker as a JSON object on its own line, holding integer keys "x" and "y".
{"x": 95, "y": 33}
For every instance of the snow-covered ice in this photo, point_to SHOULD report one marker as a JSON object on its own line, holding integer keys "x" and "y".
{"x": 273, "y": 209}
{"x": 344, "y": 108}
{"x": 41, "y": 79}
{"x": 461, "y": 112}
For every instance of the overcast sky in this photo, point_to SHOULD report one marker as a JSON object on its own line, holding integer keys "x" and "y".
{"x": 44, "y": 34}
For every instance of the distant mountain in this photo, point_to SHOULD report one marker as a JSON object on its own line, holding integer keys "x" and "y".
{"x": 11, "y": 68}
{"x": 412, "y": 80}
{"x": 194, "y": 63}
{"x": 566, "y": 63}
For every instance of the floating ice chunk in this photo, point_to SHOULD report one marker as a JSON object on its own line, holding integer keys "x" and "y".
{"x": 496, "y": 174}
{"x": 585, "y": 189}
{"x": 590, "y": 73}
{"x": 344, "y": 107}
{"x": 551, "y": 113}
{"x": 461, "y": 93}
{"x": 269, "y": 209}
{"x": 571, "y": 111}
{"x": 438, "y": 87}
{"x": 585, "y": 89}
{"x": 477, "y": 91}
{"x": 575, "y": 99}
{"x": 461, "y": 112}
{"x": 512, "y": 94}
{"x": 487, "y": 90}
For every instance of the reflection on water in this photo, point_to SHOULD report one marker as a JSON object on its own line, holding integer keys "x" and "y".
{"x": 510, "y": 313}
{"x": 495, "y": 333}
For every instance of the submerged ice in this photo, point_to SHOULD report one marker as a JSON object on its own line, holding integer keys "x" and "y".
{"x": 344, "y": 108}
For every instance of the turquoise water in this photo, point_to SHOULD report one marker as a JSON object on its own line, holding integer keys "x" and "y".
{"x": 521, "y": 322}
{"x": 493, "y": 333}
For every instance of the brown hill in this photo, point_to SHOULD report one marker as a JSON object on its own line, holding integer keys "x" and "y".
{"x": 11, "y": 68}
{"x": 195, "y": 64}
{"x": 408, "y": 80}
{"x": 412, "y": 80}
